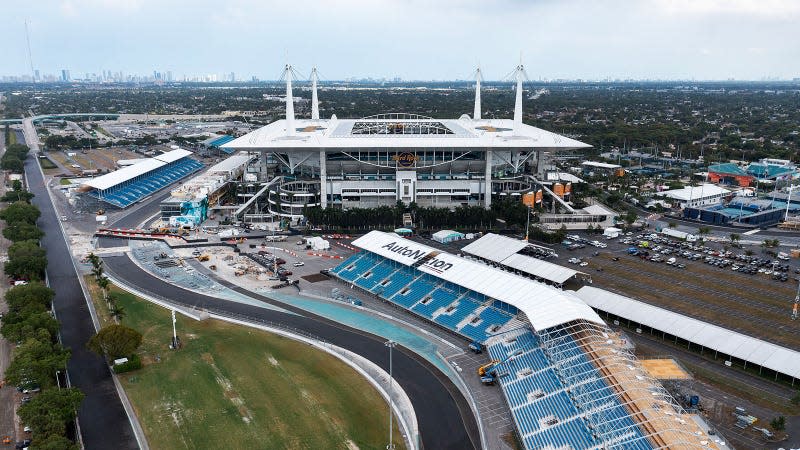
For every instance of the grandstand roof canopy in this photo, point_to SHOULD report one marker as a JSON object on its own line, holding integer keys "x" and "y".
{"x": 738, "y": 345}
{"x": 504, "y": 250}
{"x": 600, "y": 165}
{"x": 544, "y": 306}
{"x": 495, "y": 247}
{"x": 116, "y": 177}
{"x": 227, "y": 165}
{"x": 402, "y": 131}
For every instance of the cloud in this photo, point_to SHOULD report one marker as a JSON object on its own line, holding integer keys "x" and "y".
{"x": 772, "y": 9}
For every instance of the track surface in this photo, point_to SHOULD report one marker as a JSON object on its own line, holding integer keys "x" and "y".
{"x": 104, "y": 424}
{"x": 445, "y": 419}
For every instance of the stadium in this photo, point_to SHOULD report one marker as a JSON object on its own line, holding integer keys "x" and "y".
{"x": 567, "y": 378}
{"x": 386, "y": 158}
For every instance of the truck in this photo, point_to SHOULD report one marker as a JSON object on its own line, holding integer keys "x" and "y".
{"x": 682, "y": 235}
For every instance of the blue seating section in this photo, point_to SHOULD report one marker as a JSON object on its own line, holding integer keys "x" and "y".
{"x": 128, "y": 193}
{"x": 388, "y": 279}
{"x": 558, "y": 398}
{"x": 535, "y": 383}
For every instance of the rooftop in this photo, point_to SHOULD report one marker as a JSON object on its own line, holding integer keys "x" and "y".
{"x": 695, "y": 192}
{"x": 402, "y": 131}
{"x": 544, "y": 306}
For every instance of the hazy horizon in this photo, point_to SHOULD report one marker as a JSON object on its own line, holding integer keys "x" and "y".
{"x": 410, "y": 39}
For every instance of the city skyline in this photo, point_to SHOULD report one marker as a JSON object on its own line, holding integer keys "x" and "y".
{"x": 656, "y": 39}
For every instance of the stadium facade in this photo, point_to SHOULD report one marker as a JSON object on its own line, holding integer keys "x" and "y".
{"x": 569, "y": 380}
{"x": 382, "y": 159}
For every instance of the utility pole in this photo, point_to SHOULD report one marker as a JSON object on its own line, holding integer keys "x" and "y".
{"x": 391, "y": 344}
{"x": 174, "y": 332}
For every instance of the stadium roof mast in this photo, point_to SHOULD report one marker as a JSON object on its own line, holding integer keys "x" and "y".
{"x": 288, "y": 72}
{"x": 476, "y": 115}
{"x": 519, "y": 75}
{"x": 314, "y": 101}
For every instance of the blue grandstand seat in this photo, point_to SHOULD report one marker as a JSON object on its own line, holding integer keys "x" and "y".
{"x": 465, "y": 308}
{"x": 129, "y": 193}
{"x": 489, "y": 317}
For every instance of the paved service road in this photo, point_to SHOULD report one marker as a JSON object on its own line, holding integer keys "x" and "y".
{"x": 104, "y": 424}
{"x": 445, "y": 419}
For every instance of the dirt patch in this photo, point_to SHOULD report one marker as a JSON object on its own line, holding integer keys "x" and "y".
{"x": 315, "y": 277}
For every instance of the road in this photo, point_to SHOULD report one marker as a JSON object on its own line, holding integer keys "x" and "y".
{"x": 445, "y": 419}
{"x": 104, "y": 424}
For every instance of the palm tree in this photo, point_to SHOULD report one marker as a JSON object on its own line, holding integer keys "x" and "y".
{"x": 104, "y": 283}
{"x": 734, "y": 238}
{"x": 117, "y": 312}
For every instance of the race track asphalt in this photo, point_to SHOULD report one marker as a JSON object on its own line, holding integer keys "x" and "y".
{"x": 444, "y": 417}
{"x": 104, "y": 424}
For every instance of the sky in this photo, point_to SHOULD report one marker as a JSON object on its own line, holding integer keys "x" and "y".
{"x": 410, "y": 39}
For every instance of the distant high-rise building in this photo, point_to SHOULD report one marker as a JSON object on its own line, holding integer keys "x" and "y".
{"x": 36, "y": 76}
{"x": 169, "y": 76}
{"x": 65, "y": 75}
{"x": 233, "y": 77}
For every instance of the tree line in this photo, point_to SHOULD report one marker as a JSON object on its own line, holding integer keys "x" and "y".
{"x": 13, "y": 157}
{"x": 39, "y": 357}
{"x": 503, "y": 214}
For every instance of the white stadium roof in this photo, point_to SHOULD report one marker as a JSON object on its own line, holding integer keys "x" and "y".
{"x": 505, "y": 250}
{"x": 334, "y": 134}
{"x": 124, "y": 174}
{"x": 738, "y": 345}
{"x": 544, "y": 306}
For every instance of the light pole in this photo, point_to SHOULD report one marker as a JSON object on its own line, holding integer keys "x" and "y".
{"x": 58, "y": 380}
{"x": 391, "y": 344}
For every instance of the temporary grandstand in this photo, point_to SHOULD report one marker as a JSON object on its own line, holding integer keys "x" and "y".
{"x": 216, "y": 142}
{"x": 130, "y": 184}
{"x": 568, "y": 380}
{"x": 189, "y": 203}
{"x": 505, "y": 252}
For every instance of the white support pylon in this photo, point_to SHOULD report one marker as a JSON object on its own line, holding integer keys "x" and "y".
{"x": 476, "y": 115}
{"x": 287, "y": 72}
{"x": 519, "y": 74}
{"x": 314, "y": 101}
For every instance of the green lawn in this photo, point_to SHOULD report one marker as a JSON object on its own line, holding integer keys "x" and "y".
{"x": 46, "y": 163}
{"x": 236, "y": 387}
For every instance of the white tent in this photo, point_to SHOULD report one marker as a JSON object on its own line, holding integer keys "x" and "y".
{"x": 445, "y": 236}
{"x": 611, "y": 232}
{"x": 317, "y": 243}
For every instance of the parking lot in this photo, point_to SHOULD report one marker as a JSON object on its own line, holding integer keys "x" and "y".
{"x": 743, "y": 289}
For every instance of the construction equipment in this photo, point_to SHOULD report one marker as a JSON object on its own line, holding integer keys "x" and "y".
{"x": 488, "y": 372}
{"x": 203, "y": 258}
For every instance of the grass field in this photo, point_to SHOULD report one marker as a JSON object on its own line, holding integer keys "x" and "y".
{"x": 236, "y": 387}
{"x": 46, "y": 163}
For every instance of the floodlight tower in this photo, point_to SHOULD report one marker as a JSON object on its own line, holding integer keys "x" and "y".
{"x": 314, "y": 100}
{"x": 476, "y": 115}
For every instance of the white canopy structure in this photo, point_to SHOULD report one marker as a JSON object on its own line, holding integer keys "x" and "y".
{"x": 544, "y": 306}
{"x": 713, "y": 337}
{"x": 505, "y": 251}
{"x": 116, "y": 177}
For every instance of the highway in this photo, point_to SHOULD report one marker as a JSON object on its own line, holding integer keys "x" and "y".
{"x": 104, "y": 424}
